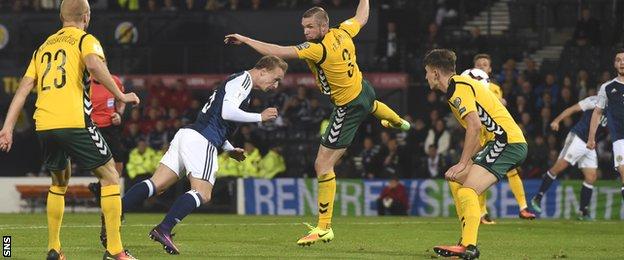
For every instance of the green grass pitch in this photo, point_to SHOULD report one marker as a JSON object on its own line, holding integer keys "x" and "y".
{"x": 204, "y": 236}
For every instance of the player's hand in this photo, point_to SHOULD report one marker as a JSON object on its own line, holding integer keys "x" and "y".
{"x": 6, "y": 139}
{"x": 554, "y": 125}
{"x": 591, "y": 144}
{"x": 130, "y": 98}
{"x": 453, "y": 173}
{"x": 237, "y": 154}
{"x": 234, "y": 39}
{"x": 116, "y": 118}
{"x": 269, "y": 114}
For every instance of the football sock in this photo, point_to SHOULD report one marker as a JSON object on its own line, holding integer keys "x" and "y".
{"x": 483, "y": 204}
{"x": 111, "y": 208}
{"x": 454, "y": 188}
{"x": 515, "y": 183}
{"x": 547, "y": 180}
{"x": 622, "y": 191}
{"x": 586, "y": 193}
{"x": 382, "y": 111}
{"x": 137, "y": 194}
{"x": 326, "y": 196}
{"x": 55, "y": 207}
{"x": 183, "y": 206}
{"x": 470, "y": 207}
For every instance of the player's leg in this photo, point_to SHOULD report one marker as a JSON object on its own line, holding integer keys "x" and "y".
{"x": 517, "y": 188}
{"x": 485, "y": 216}
{"x": 200, "y": 193}
{"x": 618, "y": 158}
{"x": 587, "y": 188}
{"x": 198, "y": 157}
{"x": 486, "y": 170}
{"x": 381, "y": 111}
{"x": 57, "y": 162}
{"x": 455, "y": 186}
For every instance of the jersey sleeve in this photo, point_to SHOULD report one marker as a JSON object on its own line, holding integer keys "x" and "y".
{"x": 602, "y": 97}
{"x": 310, "y": 51}
{"x": 31, "y": 71}
{"x": 463, "y": 99}
{"x": 351, "y": 26}
{"x": 236, "y": 91}
{"x": 90, "y": 45}
{"x": 588, "y": 103}
{"x": 498, "y": 92}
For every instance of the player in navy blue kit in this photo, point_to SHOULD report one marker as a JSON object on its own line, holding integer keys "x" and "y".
{"x": 611, "y": 100}
{"x": 575, "y": 151}
{"x": 193, "y": 149}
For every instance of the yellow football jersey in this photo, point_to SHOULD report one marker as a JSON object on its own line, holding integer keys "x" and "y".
{"x": 498, "y": 92}
{"x": 333, "y": 62}
{"x": 61, "y": 79}
{"x": 467, "y": 95}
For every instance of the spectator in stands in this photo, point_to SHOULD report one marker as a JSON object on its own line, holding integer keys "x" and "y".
{"x": 132, "y": 136}
{"x": 249, "y": 167}
{"x": 390, "y": 163}
{"x": 544, "y": 120}
{"x": 172, "y": 116}
{"x": 169, "y": 6}
{"x": 180, "y": 97}
{"x": 446, "y": 13}
{"x": 141, "y": 163}
{"x": 582, "y": 84}
{"x": 272, "y": 163}
{"x": 371, "y": 164}
{"x": 152, "y": 6}
{"x": 256, "y": 5}
{"x": 433, "y": 163}
{"x": 191, "y": 112}
{"x": 550, "y": 86}
{"x": 567, "y": 100}
{"x": 604, "y": 77}
{"x": 135, "y": 116}
{"x": 317, "y": 113}
{"x": 228, "y": 167}
{"x": 389, "y": 48}
{"x": 531, "y": 73}
{"x": 297, "y": 108}
{"x": 520, "y": 106}
{"x": 246, "y": 134}
{"x": 130, "y": 5}
{"x": 393, "y": 199}
{"x": 434, "y": 39}
{"x": 417, "y": 136}
{"x": 433, "y": 103}
{"x": 439, "y": 137}
{"x": 213, "y": 5}
{"x": 587, "y": 29}
{"x": 536, "y": 159}
{"x": 477, "y": 43}
{"x": 233, "y": 5}
{"x": 527, "y": 123}
{"x": 509, "y": 72}
{"x": 159, "y": 136}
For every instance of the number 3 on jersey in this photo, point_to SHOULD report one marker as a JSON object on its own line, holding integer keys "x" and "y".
{"x": 346, "y": 56}
{"x": 209, "y": 103}
{"x": 60, "y": 54}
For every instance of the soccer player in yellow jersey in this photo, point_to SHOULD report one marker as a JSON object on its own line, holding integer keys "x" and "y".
{"x": 330, "y": 54}
{"x": 483, "y": 62}
{"x": 475, "y": 107}
{"x": 59, "y": 70}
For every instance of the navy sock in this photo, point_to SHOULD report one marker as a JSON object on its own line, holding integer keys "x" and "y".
{"x": 183, "y": 206}
{"x": 586, "y": 193}
{"x": 547, "y": 180}
{"x": 137, "y": 194}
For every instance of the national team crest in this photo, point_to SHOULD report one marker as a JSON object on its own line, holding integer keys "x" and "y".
{"x": 457, "y": 102}
{"x": 619, "y": 158}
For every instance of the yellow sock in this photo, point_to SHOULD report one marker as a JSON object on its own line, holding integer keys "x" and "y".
{"x": 470, "y": 207}
{"x": 111, "y": 208}
{"x": 55, "y": 207}
{"x": 483, "y": 203}
{"x": 382, "y": 111}
{"x": 454, "y": 188}
{"x": 326, "y": 195}
{"x": 515, "y": 183}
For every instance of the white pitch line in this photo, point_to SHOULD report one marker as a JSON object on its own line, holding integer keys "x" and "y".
{"x": 14, "y": 227}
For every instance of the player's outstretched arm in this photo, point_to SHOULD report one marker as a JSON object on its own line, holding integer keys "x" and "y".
{"x": 362, "y": 12}
{"x": 284, "y": 52}
{"x": 97, "y": 68}
{"x": 6, "y": 134}
{"x": 565, "y": 114}
{"x": 593, "y": 126}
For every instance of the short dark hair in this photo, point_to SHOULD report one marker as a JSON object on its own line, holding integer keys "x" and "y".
{"x": 442, "y": 59}
{"x": 318, "y": 13}
{"x": 618, "y": 51}
{"x": 271, "y": 62}
{"x": 482, "y": 56}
